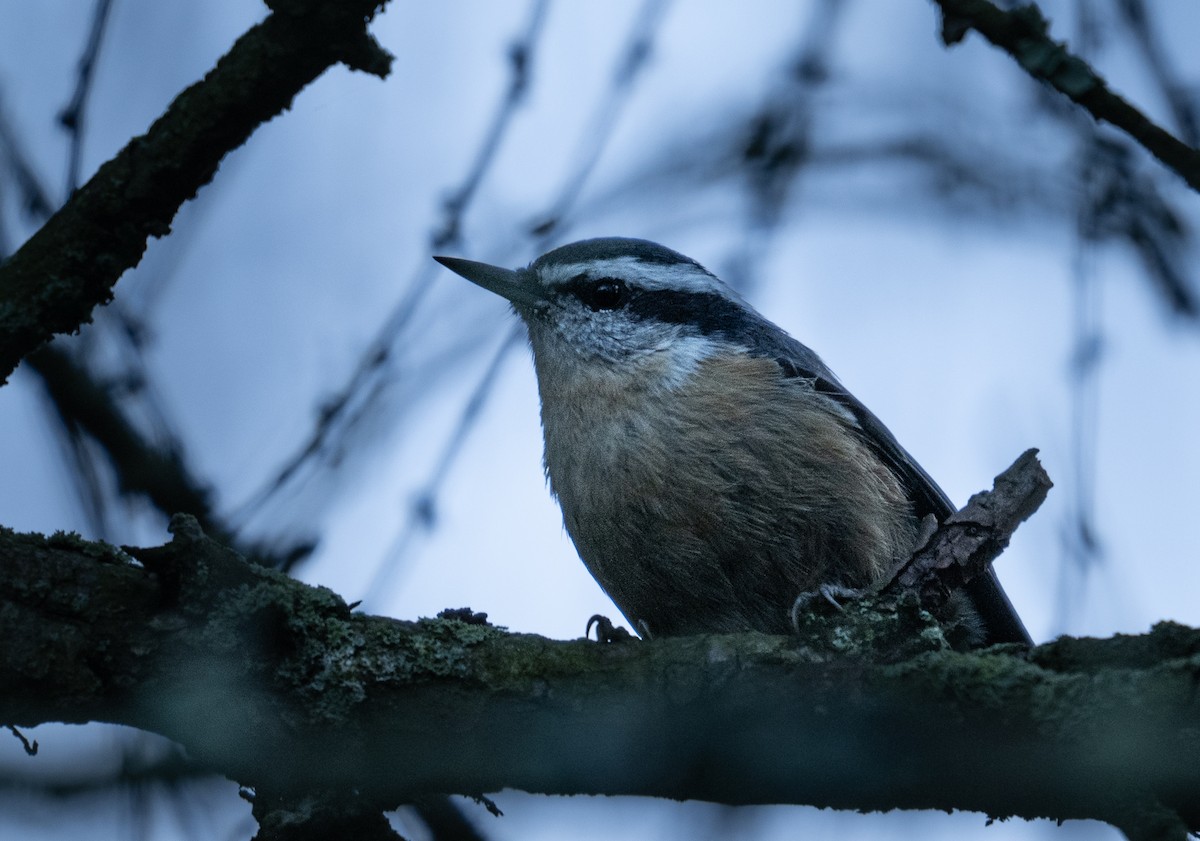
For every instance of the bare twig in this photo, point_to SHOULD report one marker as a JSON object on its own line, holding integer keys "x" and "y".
{"x": 594, "y": 139}
{"x": 1105, "y": 183}
{"x": 422, "y": 512}
{"x": 777, "y": 143}
{"x": 31, "y": 748}
{"x": 72, "y": 117}
{"x": 35, "y": 198}
{"x": 1023, "y": 34}
{"x": 343, "y": 412}
{"x": 975, "y": 535}
{"x": 520, "y": 60}
{"x": 140, "y": 467}
{"x": 1127, "y": 206}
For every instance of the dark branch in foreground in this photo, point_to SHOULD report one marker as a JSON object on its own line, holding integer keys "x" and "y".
{"x": 283, "y": 688}
{"x": 1023, "y": 34}
{"x": 69, "y": 266}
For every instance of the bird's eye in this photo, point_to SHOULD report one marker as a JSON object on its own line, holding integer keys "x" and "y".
{"x": 606, "y": 294}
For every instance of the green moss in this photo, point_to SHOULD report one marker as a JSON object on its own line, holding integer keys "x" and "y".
{"x": 326, "y": 656}
{"x": 98, "y": 549}
{"x": 873, "y": 627}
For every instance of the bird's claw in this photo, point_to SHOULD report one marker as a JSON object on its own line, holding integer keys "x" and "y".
{"x": 829, "y": 592}
{"x": 606, "y": 631}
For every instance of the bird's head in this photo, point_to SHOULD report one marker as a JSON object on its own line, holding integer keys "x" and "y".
{"x": 616, "y": 301}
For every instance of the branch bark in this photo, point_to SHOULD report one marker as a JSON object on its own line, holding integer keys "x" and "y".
{"x": 1023, "y": 34}
{"x": 282, "y": 687}
{"x": 70, "y": 265}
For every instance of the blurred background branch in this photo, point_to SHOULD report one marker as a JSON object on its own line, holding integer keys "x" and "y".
{"x": 1022, "y": 33}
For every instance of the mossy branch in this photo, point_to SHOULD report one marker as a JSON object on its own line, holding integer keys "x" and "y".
{"x": 282, "y": 687}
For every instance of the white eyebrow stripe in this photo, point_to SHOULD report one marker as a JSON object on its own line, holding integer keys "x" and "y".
{"x": 562, "y": 273}
{"x": 680, "y": 277}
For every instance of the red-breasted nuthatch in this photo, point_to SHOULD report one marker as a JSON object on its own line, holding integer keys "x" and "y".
{"x": 710, "y": 468}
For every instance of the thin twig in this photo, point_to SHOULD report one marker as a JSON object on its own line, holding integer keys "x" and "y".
{"x": 342, "y": 413}
{"x": 1130, "y": 206}
{"x": 777, "y": 143}
{"x": 72, "y": 117}
{"x": 520, "y": 60}
{"x": 630, "y": 62}
{"x": 1095, "y": 170}
{"x": 975, "y": 535}
{"x": 1180, "y": 100}
{"x": 629, "y": 66}
{"x": 35, "y": 198}
{"x": 140, "y": 467}
{"x": 422, "y": 512}
{"x": 31, "y": 748}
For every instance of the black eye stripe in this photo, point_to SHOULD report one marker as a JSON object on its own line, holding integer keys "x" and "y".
{"x": 709, "y": 313}
{"x": 605, "y": 293}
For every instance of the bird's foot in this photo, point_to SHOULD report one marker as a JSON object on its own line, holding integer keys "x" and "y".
{"x": 829, "y": 592}
{"x": 606, "y": 631}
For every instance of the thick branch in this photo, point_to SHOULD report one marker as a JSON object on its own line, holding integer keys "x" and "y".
{"x": 70, "y": 265}
{"x": 277, "y": 684}
{"x": 1022, "y": 33}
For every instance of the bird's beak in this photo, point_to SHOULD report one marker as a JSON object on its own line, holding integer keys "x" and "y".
{"x": 520, "y": 287}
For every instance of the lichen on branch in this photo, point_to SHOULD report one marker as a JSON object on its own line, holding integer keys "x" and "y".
{"x": 281, "y": 685}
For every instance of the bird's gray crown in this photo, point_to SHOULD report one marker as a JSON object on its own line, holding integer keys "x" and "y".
{"x": 611, "y": 248}
{"x": 643, "y": 265}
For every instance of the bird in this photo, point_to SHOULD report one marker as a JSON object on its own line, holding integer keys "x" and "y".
{"x": 711, "y": 469}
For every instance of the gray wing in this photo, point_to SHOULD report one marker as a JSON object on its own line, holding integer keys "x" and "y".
{"x": 1000, "y": 619}
{"x": 800, "y": 362}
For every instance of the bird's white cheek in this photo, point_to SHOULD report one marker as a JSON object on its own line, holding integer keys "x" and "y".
{"x": 679, "y": 361}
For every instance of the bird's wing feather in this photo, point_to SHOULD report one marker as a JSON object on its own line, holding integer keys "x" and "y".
{"x": 798, "y": 361}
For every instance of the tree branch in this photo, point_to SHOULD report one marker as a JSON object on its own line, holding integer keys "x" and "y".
{"x": 958, "y": 555}
{"x": 282, "y": 687}
{"x": 1023, "y": 34}
{"x": 70, "y": 265}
